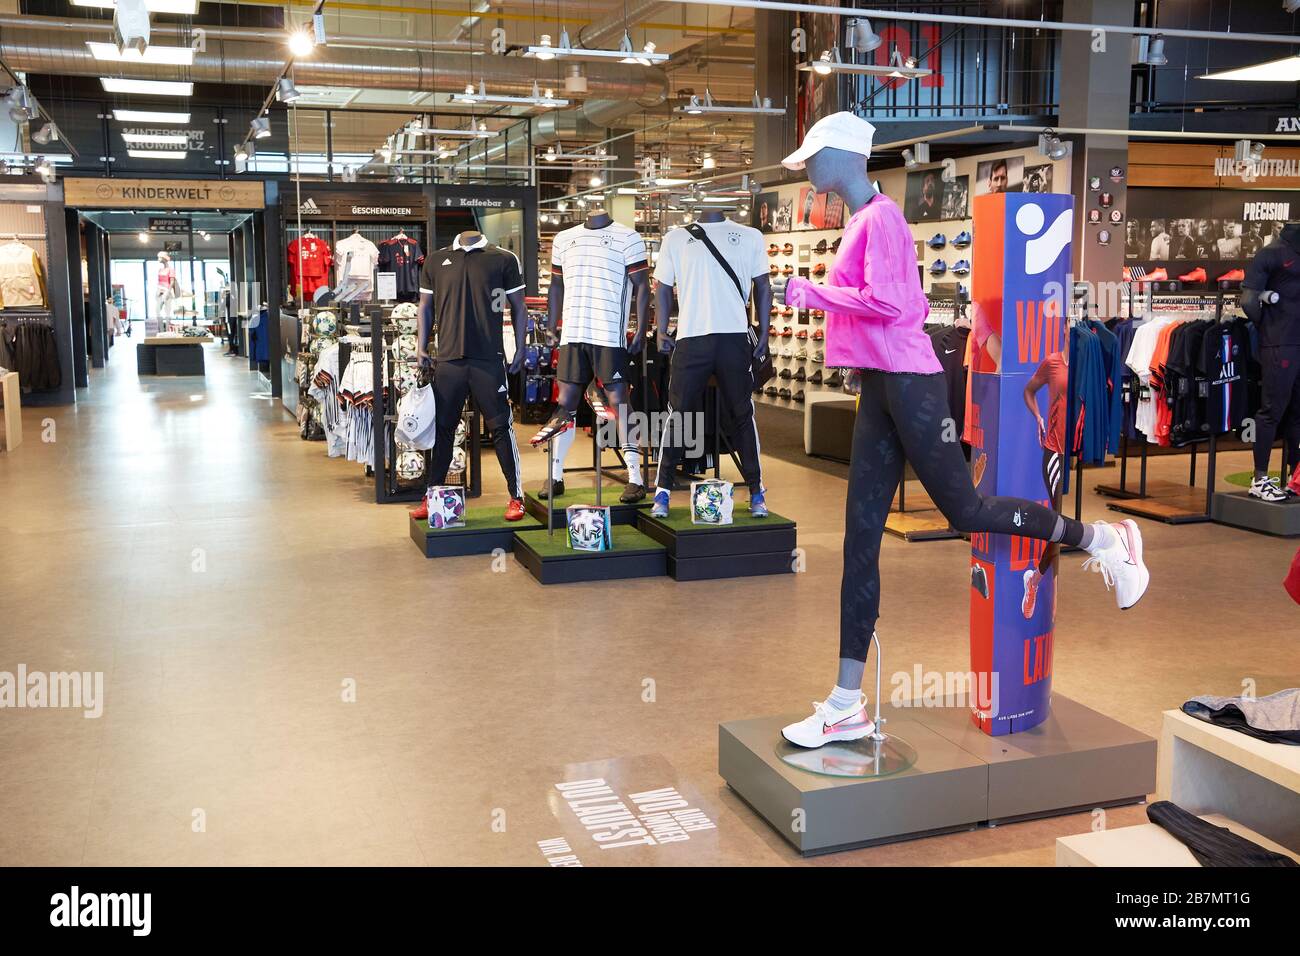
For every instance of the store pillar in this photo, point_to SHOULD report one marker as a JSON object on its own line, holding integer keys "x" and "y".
{"x": 1022, "y": 262}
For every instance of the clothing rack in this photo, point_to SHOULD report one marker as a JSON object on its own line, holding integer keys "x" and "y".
{"x": 1173, "y": 504}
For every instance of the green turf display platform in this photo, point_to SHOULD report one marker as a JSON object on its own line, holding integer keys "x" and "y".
{"x": 745, "y": 548}
{"x": 585, "y": 494}
{"x": 485, "y": 530}
{"x": 1242, "y": 479}
{"x": 550, "y": 560}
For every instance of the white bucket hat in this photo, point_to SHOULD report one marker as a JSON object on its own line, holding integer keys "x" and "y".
{"x": 840, "y": 130}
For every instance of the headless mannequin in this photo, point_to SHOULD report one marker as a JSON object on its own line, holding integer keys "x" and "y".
{"x": 940, "y": 465}
{"x": 762, "y": 300}
{"x": 1275, "y": 406}
{"x": 616, "y": 393}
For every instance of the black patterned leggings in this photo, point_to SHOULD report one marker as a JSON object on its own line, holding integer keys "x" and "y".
{"x": 905, "y": 418}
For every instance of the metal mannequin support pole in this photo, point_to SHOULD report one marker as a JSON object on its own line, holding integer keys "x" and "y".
{"x": 550, "y": 497}
{"x": 600, "y": 476}
{"x": 877, "y": 734}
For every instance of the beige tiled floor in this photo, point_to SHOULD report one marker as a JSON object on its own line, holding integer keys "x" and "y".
{"x": 476, "y": 690}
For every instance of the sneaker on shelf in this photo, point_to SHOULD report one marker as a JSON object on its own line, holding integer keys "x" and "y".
{"x": 835, "y": 246}
{"x": 961, "y": 240}
{"x": 937, "y": 241}
{"x": 816, "y": 377}
{"x": 771, "y": 329}
{"x": 632, "y": 493}
{"x": 787, "y": 270}
{"x": 1156, "y": 275}
{"x": 820, "y": 248}
{"x": 818, "y": 335}
{"x": 819, "y": 357}
{"x": 758, "y": 505}
{"x": 1232, "y": 275}
{"x": 660, "y": 507}
{"x": 770, "y": 391}
{"x": 961, "y": 267}
{"x": 1121, "y": 565}
{"x": 785, "y": 373}
{"x": 788, "y": 312}
{"x": 785, "y": 393}
{"x": 827, "y": 725}
{"x": 787, "y": 332}
{"x": 1267, "y": 488}
{"x": 938, "y": 267}
{"x": 802, "y": 354}
{"x": 560, "y": 422}
{"x": 835, "y": 379}
{"x": 799, "y": 396}
{"x": 1196, "y": 275}
{"x": 773, "y": 249}
{"x": 819, "y": 269}
{"x": 514, "y": 510}
{"x": 801, "y": 375}
{"x": 788, "y": 248}
{"x": 551, "y": 487}
{"x": 774, "y": 270}
{"x": 801, "y": 334}
{"x": 1031, "y": 594}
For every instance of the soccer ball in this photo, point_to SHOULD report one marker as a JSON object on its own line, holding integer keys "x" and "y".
{"x": 410, "y": 465}
{"x": 325, "y": 323}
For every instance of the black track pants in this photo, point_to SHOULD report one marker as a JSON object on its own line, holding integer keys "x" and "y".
{"x": 727, "y": 357}
{"x": 486, "y": 380}
{"x": 1281, "y": 404}
{"x": 901, "y": 417}
{"x": 1212, "y": 845}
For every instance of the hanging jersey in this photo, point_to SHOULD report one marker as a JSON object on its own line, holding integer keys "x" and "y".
{"x": 595, "y": 265}
{"x": 403, "y": 257}
{"x": 1222, "y": 363}
{"x": 309, "y": 264}
{"x": 22, "y": 280}
{"x": 356, "y": 256}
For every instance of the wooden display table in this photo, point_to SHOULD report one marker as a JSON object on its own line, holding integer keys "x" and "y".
{"x": 13, "y": 410}
{"x": 171, "y": 355}
{"x": 1146, "y": 845}
{"x": 1208, "y": 769}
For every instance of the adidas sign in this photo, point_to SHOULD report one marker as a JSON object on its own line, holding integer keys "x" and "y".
{"x": 309, "y": 207}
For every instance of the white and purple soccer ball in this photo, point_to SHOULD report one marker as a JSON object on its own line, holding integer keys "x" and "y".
{"x": 446, "y": 506}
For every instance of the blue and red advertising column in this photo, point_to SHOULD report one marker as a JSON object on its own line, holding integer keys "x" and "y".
{"x": 1021, "y": 265}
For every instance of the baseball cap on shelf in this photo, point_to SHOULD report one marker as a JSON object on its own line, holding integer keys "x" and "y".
{"x": 839, "y": 130}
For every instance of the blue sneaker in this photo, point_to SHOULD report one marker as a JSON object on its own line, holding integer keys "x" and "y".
{"x": 961, "y": 267}
{"x": 937, "y": 241}
{"x": 962, "y": 240}
{"x": 758, "y": 505}
{"x": 938, "y": 267}
{"x": 660, "y": 508}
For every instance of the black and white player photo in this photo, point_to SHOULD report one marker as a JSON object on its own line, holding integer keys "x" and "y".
{"x": 1253, "y": 239}
{"x": 1159, "y": 240}
{"x": 1228, "y": 243}
{"x": 1135, "y": 246}
{"x": 1004, "y": 175}
{"x": 1038, "y": 179}
{"x": 1182, "y": 245}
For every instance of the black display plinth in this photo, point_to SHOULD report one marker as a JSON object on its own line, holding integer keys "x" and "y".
{"x": 745, "y": 548}
{"x": 619, "y": 513}
{"x": 485, "y": 531}
{"x": 549, "y": 559}
{"x": 1239, "y": 509}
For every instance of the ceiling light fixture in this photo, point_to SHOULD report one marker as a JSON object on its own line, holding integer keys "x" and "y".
{"x": 596, "y": 181}
{"x": 538, "y": 98}
{"x": 899, "y": 67}
{"x": 1052, "y": 146}
{"x": 1152, "y": 50}
{"x": 260, "y": 128}
{"x": 625, "y": 53}
{"x": 435, "y": 131}
{"x": 285, "y": 91}
{"x": 1246, "y": 151}
{"x": 150, "y": 116}
{"x": 758, "y": 107}
{"x": 22, "y": 105}
{"x": 45, "y": 134}
{"x": 708, "y": 162}
{"x": 45, "y": 169}
{"x": 118, "y": 84}
{"x": 301, "y": 43}
{"x": 184, "y": 8}
{"x": 861, "y": 37}
{"x": 1285, "y": 70}
{"x": 165, "y": 55}
{"x": 156, "y": 139}
{"x": 142, "y": 237}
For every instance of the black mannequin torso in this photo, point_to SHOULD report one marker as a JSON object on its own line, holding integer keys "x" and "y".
{"x": 599, "y": 220}
{"x": 711, "y": 215}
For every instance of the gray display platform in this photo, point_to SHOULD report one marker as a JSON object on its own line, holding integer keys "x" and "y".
{"x": 1239, "y": 509}
{"x": 1076, "y": 759}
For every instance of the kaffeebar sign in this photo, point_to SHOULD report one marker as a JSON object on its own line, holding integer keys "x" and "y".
{"x": 162, "y": 194}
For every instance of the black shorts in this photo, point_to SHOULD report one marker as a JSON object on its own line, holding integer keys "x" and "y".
{"x": 580, "y": 362}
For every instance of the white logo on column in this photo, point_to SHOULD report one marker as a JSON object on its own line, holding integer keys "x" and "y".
{"x": 1043, "y": 250}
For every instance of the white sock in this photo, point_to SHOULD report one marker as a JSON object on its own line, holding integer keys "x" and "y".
{"x": 562, "y": 446}
{"x": 842, "y": 698}
{"x": 1103, "y": 537}
{"x": 632, "y": 457}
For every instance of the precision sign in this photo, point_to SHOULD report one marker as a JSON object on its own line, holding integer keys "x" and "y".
{"x": 171, "y": 193}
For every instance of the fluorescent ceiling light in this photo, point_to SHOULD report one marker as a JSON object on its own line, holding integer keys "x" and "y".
{"x": 624, "y": 54}
{"x": 117, "y": 84}
{"x": 758, "y": 107}
{"x": 435, "y": 131}
{"x": 482, "y": 96}
{"x": 168, "y": 55}
{"x": 830, "y": 62}
{"x": 1285, "y": 70}
{"x": 157, "y": 153}
{"x": 150, "y": 116}
{"x": 186, "y": 8}
{"x": 668, "y": 181}
{"x": 156, "y": 139}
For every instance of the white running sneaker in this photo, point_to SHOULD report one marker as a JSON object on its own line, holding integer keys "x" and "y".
{"x": 1267, "y": 489}
{"x": 1121, "y": 564}
{"x": 827, "y": 725}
